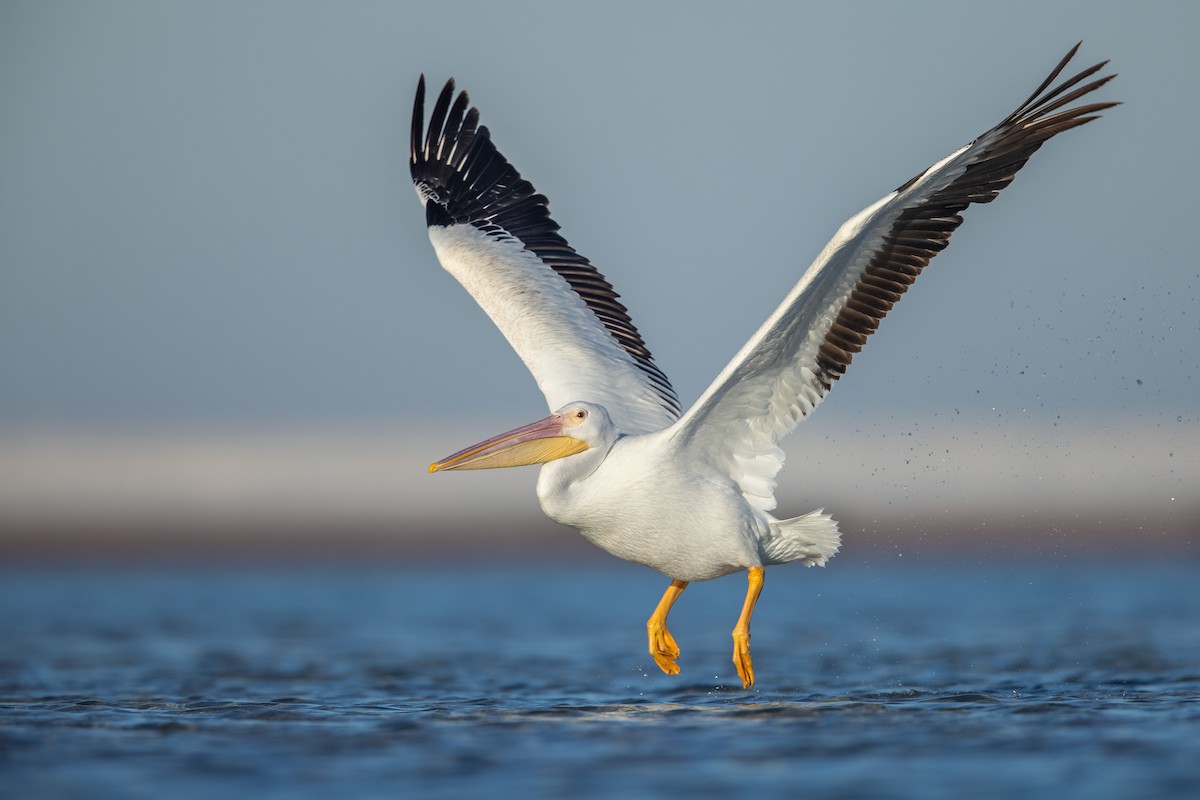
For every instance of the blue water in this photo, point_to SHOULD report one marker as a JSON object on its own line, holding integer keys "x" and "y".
{"x": 876, "y": 679}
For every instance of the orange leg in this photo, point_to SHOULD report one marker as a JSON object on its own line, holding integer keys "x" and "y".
{"x": 662, "y": 643}
{"x": 741, "y": 631}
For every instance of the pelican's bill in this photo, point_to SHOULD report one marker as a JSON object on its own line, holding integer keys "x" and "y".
{"x": 536, "y": 443}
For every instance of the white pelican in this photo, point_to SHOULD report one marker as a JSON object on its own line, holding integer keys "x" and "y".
{"x": 688, "y": 494}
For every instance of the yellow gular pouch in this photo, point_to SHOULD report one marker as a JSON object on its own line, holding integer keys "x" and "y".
{"x": 521, "y": 454}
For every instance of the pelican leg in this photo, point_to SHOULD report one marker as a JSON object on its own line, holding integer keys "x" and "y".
{"x": 741, "y": 631}
{"x": 662, "y": 643}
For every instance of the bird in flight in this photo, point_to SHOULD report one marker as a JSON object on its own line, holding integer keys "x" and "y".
{"x": 689, "y": 493}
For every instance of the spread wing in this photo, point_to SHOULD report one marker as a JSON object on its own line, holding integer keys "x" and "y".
{"x": 794, "y": 359}
{"x": 493, "y": 232}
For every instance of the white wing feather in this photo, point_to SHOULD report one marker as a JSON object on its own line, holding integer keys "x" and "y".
{"x": 569, "y": 353}
{"x": 775, "y": 381}
{"x": 494, "y": 233}
{"x": 791, "y": 363}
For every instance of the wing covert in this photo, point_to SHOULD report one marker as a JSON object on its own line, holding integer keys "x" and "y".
{"x": 792, "y": 362}
{"x": 493, "y": 232}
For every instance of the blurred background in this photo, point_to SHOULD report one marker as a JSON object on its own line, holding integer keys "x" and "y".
{"x": 223, "y": 331}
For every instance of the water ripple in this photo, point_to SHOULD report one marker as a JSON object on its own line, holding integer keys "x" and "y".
{"x": 303, "y": 685}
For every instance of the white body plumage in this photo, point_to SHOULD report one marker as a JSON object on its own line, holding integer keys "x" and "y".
{"x": 635, "y": 497}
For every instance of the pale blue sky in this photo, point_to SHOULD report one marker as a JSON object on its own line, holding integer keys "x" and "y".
{"x": 206, "y": 217}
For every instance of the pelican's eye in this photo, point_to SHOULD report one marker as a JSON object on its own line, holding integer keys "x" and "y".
{"x": 572, "y": 418}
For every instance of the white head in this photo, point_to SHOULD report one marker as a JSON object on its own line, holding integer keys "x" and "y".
{"x": 574, "y": 429}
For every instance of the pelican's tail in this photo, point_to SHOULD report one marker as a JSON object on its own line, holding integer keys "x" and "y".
{"x": 811, "y": 539}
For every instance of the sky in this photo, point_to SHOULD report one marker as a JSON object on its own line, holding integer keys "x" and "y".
{"x": 206, "y": 219}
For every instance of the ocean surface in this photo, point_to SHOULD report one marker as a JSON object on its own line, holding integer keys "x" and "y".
{"x": 1028, "y": 679}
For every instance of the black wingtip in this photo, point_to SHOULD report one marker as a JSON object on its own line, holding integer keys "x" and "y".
{"x": 418, "y": 121}
{"x": 1042, "y": 100}
{"x": 437, "y": 119}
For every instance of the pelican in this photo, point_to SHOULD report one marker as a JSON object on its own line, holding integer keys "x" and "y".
{"x": 689, "y": 494}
